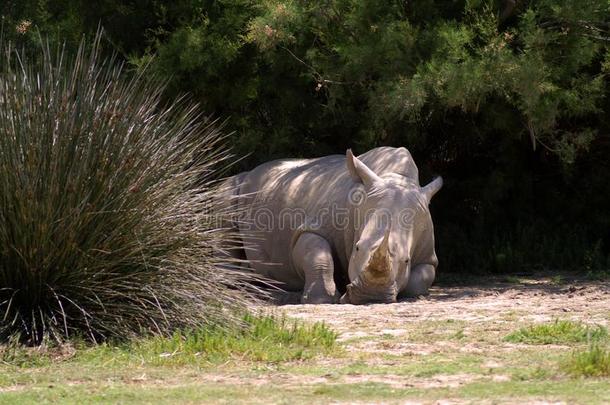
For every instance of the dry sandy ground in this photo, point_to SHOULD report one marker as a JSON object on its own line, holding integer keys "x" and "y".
{"x": 456, "y": 321}
{"x": 530, "y": 300}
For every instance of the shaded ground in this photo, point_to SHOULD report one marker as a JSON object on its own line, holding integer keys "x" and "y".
{"x": 500, "y": 302}
{"x": 446, "y": 348}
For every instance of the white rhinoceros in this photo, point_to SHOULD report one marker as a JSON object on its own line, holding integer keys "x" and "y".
{"x": 309, "y": 222}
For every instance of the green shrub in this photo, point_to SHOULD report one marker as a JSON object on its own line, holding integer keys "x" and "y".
{"x": 558, "y": 332}
{"x": 107, "y": 220}
{"x": 591, "y": 362}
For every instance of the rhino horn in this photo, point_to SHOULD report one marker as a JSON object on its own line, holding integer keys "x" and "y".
{"x": 432, "y": 188}
{"x": 384, "y": 247}
{"x": 380, "y": 265}
{"x": 360, "y": 172}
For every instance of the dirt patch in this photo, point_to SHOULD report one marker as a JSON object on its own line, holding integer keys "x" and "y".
{"x": 453, "y": 323}
{"x": 493, "y": 303}
{"x": 12, "y": 388}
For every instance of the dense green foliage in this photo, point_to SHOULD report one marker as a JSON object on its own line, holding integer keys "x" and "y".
{"x": 107, "y": 222}
{"x": 507, "y": 99}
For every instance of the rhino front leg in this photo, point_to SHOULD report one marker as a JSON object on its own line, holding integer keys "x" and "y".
{"x": 313, "y": 258}
{"x": 420, "y": 280}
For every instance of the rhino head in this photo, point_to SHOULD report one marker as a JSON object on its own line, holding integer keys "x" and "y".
{"x": 393, "y": 233}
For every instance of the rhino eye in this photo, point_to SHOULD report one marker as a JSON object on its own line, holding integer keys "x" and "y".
{"x": 357, "y": 248}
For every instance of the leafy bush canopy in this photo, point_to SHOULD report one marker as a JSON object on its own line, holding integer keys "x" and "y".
{"x": 506, "y": 99}
{"x": 108, "y": 226}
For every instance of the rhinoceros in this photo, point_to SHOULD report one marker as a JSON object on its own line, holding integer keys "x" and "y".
{"x": 362, "y": 221}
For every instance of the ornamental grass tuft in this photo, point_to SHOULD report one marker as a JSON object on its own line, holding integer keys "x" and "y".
{"x": 109, "y": 225}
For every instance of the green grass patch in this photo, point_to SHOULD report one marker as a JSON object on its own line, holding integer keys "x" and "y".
{"x": 512, "y": 279}
{"x": 219, "y": 365}
{"x": 267, "y": 339}
{"x": 558, "y": 332}
{"x": 558, "y": 280}
{"x": 591, "y": 362}
{"x": 193, "y": 391}
{"x": 270, "y": 339}
{"x": 599, "y": 275}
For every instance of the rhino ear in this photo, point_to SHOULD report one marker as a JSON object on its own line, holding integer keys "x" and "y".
{"x": 359, "y": 172}
{"x": 432, "y": 188}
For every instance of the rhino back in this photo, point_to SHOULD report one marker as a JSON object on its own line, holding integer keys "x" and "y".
{"x": 278, "y": 198}
{"x": 387, "y": 159}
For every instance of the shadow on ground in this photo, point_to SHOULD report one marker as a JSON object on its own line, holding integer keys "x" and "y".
{"x": 453, "y": 288}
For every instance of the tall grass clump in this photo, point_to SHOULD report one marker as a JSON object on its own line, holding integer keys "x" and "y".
{"x": 591, "y": 362}
{"x": 108, "y": 226}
